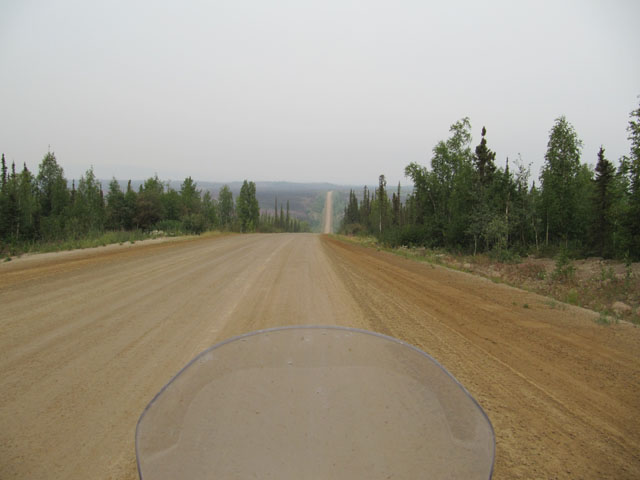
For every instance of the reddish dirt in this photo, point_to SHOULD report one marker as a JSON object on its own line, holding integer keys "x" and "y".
{"x": 562, "y": 392}
{"x": 87, "y": 339}
{"x": 607, "y": 286}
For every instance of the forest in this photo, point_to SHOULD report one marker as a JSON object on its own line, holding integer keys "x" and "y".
{"x": 43, "y": 208}
{"x": 467, "y": 203}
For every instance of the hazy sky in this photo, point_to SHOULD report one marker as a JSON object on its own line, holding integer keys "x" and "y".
{"x": 337, "y": 91}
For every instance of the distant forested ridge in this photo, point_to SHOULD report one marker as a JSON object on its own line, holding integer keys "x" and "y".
{"x": 466, "y": 202}
{"x": 45, "y": 208}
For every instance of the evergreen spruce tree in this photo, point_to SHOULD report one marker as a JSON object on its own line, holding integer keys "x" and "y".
{"x": 602, "y": 228}
{"x": 381, "y": 195}
{"x": 365, "y": 209}
{"x": 396, "y": 219}
{"x": 632, "y": 169}
{"x": 281, "y": 222}
{"x": 9, "y": 208}
{"x": 4, "y": 172}
{"x": 4, "y": 224}
{"x": 130, "y": 208}
{"x": 484, "y": 208}
{"x": 275, "y": 213}
{"x": 115, "y": 208}
{"x": 53, "y": 197}
{"x": 287, "y": 219}
{"x": 189, "y": 197}
{"x": 484, "y": 161}
{"x": 27, "y": 205}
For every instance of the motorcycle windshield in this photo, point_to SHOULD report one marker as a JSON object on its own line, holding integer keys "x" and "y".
{"x": 314, "y": 403}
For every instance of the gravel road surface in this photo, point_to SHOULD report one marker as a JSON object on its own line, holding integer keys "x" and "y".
{"x": 88, "y": 338}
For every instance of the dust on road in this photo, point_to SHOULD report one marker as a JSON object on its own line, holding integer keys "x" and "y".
{"x": 86, "y": 340}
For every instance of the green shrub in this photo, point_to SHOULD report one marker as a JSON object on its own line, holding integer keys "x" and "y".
{"x": 564, "y": 271}
{"x": 194, "y": 223}
{"x": 169, "y": 227}
{"x": 572, "y": 297}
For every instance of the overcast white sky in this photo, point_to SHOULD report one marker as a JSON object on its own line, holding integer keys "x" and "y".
{"x": 334, "y": 90}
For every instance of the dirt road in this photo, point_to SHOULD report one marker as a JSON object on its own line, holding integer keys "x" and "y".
{"x": 87, "y": 339}
{"x": 328, "y": 214}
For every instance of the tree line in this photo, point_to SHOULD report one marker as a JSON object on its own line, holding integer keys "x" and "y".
{"x": 465, "y": 202}
{"x": 42, "y": 207}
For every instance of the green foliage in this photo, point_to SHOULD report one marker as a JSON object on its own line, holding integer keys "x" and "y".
{"x": 115, "y": 210}
{"x": 150, "y": 207}
{"x": 169, "y": 227}
{"x": 194, "y": 223}
{"x": 52, "y": 187}
{"x": 130, "y": 203}
{"x": 632, "y": 193}
{"x": 628, "y": 272}
{"x": 484, "y": 161}
{"x": 226, "y": 207}
{"x": 43, "y": 213}
{"x": 564, "y": 269}
{"x": 602, "y": 204}
{"x": 380, "y": 207}
{"x": 572, "y": 297}
{"x": 281, "y": 222}
{"x": 87, "y": 207}
{"x": 247, "y": 207}
{"x": 171, "y": 204}
{"x": 603, "y": 319}
{"x": 464, "y": 202}
{"x": 607, "y": 274}
{"x": 209, "y": 210}
{"x": 443, "y": 195}
{"x": 560, "y": 184}
{"x": 189, "y": 197}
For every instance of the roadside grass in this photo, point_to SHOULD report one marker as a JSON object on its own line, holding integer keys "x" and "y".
{"x": 89, "y": 241}
{"x": 594, "y": 284}
{"x": 573, "y": 297}
{"x": 92, "y": 240}
{"x": 603, "y": 319}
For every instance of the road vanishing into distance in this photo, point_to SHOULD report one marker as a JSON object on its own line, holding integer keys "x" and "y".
{"x": 87, "y": 338}
{"x": 328, "y": 213}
